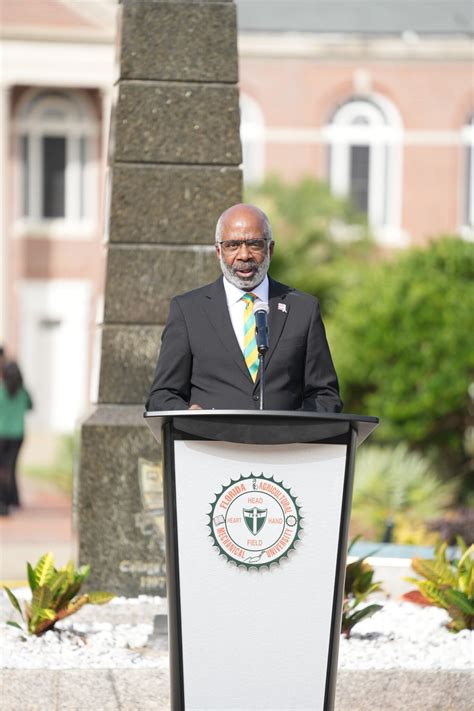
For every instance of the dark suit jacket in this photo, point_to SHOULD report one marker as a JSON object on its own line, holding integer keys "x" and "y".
{"x": 201, "y": 361}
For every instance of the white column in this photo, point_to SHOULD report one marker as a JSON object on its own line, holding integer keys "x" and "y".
{"x": 107, "y": 102}
{"x": 4, "y": 201}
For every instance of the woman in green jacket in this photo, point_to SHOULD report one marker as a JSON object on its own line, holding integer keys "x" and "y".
{"x": 15, "y": 401}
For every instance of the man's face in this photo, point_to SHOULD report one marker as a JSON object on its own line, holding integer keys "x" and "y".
{"x": 245, "y": 255}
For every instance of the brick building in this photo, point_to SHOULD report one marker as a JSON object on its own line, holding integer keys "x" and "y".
{"x": 374, "y": 96}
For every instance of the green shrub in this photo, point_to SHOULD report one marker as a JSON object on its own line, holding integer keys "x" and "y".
{"x": 396, "y": 487}
{"x": 402, "y": 344}
{"x": 54, "y": 595}
{"x": 449, "y": 585}
{"x": 320, "y": 239}
{"x": 358, "y": 585}
{"x": 60, "y": 472}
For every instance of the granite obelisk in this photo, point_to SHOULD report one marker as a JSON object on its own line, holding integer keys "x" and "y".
{"x": 174, "y": 167}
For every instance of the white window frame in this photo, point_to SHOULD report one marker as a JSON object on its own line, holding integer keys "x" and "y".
{"x": 252, "y": 136}
{"x": 467, "y": 203}
{"x": 77, "y": 123}
{"x": 382, "y": 132}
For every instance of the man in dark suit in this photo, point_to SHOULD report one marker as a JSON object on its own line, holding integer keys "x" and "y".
{"x": 208, "y": 355}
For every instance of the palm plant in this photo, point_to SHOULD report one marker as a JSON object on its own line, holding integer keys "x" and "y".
{"x": 394, "y": 483}
{"x": 55, "y": 595}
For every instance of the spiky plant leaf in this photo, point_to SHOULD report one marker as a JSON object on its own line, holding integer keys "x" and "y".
{"x": 69, "y": 569}
{"x": 433, "y": 593}
{"x": 44, "y": 569}
{"x": 351, "y": 620}
{"x": 41, "y": 597}
{"x": 74, "y": 606}
{"x": 13, "y": 601}
{"x": 466, "y": 558}
{"x": 43, "y": 613}
{"x": 459, "y": 599}
{"x": 59, "y": 585}
{"x": 461, "y": 544}
{"x": 99, "y": 597}
{"x": 14, "y": 624}
{"x": 69, "y": 593}
{"x": 31, "y": 577}
{"x": 440, "y": 551}
{"x": 365, "y": 612}
{"x": 362, "y": 585}
{"x": 435, "y": 570}
{"x": 459, "y": 621}
{"x": 82, "y": 573}
{"x": 27, "y": 608}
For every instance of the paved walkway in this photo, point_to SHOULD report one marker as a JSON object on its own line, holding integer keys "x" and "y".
{"x": 148, "y": 690}
{"x": 42, "y": 524}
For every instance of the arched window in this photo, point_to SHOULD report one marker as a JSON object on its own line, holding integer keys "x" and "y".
{"x": 467, "y": 228}
{"x": 364, "y": 137}
{"x": 57, "y": 146}
{"x": 252, "y": 128}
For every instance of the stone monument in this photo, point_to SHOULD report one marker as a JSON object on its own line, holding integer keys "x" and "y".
{"x": 173, "y": 168}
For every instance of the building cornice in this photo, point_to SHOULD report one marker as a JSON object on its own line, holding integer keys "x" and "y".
{"x": 52, "y": 34}
{"x": 407, "y": 47}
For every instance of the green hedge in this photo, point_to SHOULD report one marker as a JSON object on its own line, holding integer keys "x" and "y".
{"x": 403, "y": 344}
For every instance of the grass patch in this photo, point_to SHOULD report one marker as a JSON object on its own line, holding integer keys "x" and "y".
{"x": 60, "y": 473}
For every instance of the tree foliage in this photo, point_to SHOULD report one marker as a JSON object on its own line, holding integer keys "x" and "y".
{"x": 320, "y": 239}
{"x": 402, "y": 343}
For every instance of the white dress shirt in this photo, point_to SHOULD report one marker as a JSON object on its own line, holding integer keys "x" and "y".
{"x": 237, "y": 307}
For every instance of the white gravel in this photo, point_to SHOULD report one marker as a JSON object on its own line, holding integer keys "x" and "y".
{"x": 120, "y": 635}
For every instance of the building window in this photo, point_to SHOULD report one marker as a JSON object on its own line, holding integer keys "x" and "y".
{"x": 364, "y": 138}
{"x": 57, "y": 136}
{"x": 53, "y": 155}
{"x": 252, "y": 127}
{"x": 467, "y": 228}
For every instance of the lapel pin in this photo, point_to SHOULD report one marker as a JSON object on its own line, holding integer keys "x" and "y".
{"x": 282, "y": 307}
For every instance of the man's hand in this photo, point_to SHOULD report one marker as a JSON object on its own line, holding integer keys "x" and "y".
{"x": 195, "y": 406}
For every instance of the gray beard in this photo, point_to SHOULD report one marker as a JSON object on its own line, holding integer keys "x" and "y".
{"x": 245, "y": 284}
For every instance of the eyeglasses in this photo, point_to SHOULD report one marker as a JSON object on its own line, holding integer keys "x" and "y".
{"x": 231, "y": 246}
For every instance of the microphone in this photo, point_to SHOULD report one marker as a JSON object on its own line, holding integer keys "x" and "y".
{"x": 260, "y": 311}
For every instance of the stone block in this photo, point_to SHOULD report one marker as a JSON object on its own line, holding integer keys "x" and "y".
{"x": 184, "y": 41}
{"x": 119, "y": 504}
{"x": 172, "y": 204}
{"x": 80, "y": 689}
{"x": 407, "y": 689}
{"x": 177, "y": 122}
{"x": 27, "y": 690}
{"x": 142, "y": 280}
{"x": 129, "y": 355}
{"x": 142, "y": 689}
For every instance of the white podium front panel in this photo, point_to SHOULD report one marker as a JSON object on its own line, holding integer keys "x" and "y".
{"x": 257, "y": 638}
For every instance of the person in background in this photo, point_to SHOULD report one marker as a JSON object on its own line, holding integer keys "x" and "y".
{"x": 15, "y": 401}
{"x": 3, "y": 361}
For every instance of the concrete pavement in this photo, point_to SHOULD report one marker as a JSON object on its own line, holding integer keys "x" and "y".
{"x": 42, "y": 524}
{"x": 148, "y": 690}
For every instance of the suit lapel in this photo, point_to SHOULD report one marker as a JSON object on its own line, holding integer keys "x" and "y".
{"x": 279, "y": 310}
{"x": 215, "y": 305}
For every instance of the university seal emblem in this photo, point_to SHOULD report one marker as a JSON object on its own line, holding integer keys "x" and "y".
{"x": 255, "y": 521}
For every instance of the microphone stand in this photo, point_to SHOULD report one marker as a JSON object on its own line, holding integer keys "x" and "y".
{"x": 260, "y": 311}
{"x": 261, "y": 360}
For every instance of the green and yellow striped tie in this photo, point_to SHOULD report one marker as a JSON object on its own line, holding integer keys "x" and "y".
{"x": 250, "y": 343}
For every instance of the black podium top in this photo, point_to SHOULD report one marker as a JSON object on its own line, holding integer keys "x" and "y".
{"x": 262, "y": 426}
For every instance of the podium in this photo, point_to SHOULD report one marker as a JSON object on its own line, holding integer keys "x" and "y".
{"x": 257, "y": 508}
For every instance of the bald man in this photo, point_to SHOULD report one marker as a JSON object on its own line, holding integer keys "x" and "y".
{"x": 208, "y": 357}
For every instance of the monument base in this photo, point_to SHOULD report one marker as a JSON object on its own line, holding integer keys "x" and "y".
{"x": 119, "y": 503}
